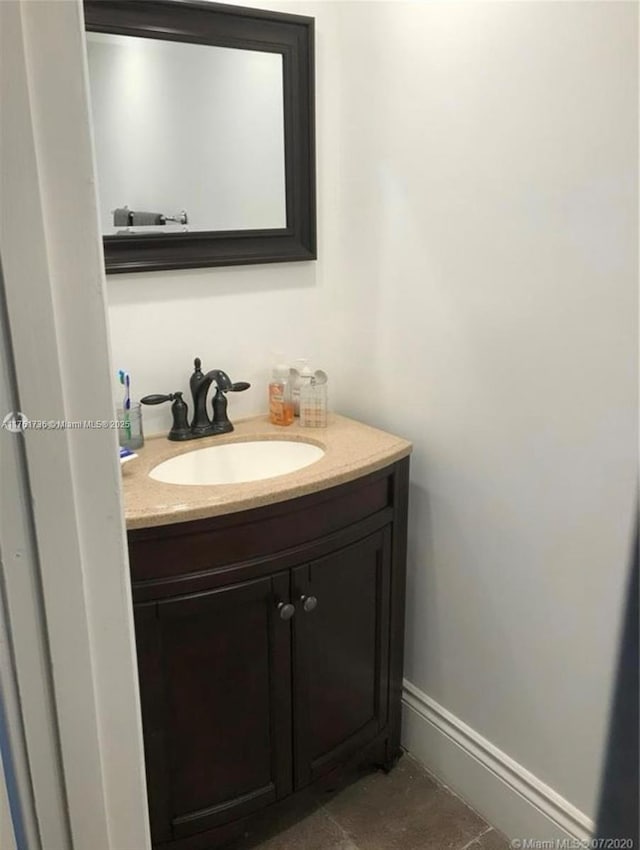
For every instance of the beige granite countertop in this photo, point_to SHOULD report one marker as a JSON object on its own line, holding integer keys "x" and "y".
{"x": 351, "y": 450}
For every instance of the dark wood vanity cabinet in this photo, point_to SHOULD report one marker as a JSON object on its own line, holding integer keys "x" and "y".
{"x": 269, "y": 653}
{"x": 341, "y": 655}
{"x": 215, "y": 678}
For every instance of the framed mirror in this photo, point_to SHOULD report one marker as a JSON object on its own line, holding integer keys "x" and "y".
{"x": 203, "y": 120}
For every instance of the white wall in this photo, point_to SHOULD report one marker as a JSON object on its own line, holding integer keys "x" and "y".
{"x": 238, "y": 318}
{"x": 475, "y": 292}
{"x": 491, "y": 201}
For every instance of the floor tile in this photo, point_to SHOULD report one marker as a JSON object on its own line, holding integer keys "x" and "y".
{"x": 491, "y": 840}
{"x": 316, "y": 832}
{"x": 405, "y": 809}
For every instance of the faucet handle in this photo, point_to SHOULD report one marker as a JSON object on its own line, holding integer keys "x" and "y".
{"x": 180, "y": 429}
{"x": 157, "y": 399}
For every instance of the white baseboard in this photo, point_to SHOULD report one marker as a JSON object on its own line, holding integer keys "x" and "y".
{"x": 510, "y": 797}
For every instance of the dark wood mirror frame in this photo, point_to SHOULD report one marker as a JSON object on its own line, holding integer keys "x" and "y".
{"x": 252, "y": 29}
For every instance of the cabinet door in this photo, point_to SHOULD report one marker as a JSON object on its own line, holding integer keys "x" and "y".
{"x": 341, "y": 654}
{"x": 215, "y": 677}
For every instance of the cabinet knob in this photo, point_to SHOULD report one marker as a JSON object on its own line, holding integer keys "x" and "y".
{"x": 286, "y": 609}
{"x": 309, "y": 603}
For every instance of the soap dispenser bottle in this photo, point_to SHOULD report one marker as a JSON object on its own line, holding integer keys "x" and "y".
{"x": 280, "y": 401}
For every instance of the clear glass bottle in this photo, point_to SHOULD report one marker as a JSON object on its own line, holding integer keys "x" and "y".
{"x": 280, "y": 401}
{"x": 300, "y": 374}
{"x": 313, "y": 404}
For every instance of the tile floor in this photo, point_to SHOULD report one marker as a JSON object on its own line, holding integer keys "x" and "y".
{"x": 404, "y": 810}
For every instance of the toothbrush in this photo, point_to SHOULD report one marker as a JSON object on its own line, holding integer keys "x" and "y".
{"x": 125, "y": 380}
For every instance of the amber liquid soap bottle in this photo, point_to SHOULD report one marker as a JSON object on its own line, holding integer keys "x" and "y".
{"x": 280, "y": 400}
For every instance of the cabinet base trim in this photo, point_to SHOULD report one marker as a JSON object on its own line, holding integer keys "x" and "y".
{"x": 506, "y": 793}
{"x": 245, "y": 803}
{"x": 260, "y": 824}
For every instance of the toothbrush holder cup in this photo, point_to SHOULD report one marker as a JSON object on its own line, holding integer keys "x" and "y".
{"x": 130, "y": 434}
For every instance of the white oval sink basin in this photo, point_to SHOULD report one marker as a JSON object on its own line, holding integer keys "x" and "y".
{"x": 237, "y": 463}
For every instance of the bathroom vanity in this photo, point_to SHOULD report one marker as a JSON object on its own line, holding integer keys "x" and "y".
{"x": 269, "y": 627}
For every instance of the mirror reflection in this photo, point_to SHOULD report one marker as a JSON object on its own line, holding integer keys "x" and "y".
{"x": 187, "y": 136}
